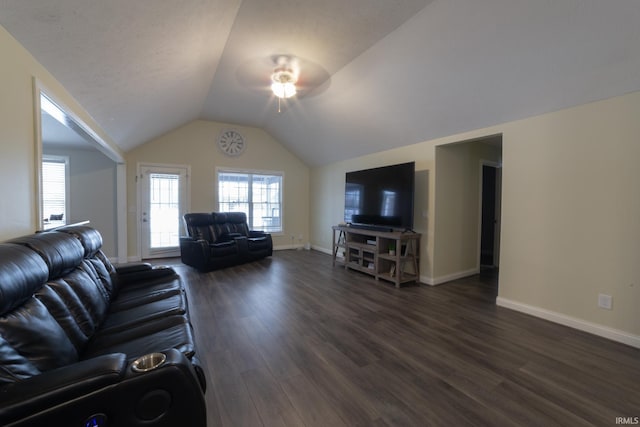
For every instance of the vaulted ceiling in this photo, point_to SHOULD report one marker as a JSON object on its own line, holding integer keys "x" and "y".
{"x": 387, "y": 73}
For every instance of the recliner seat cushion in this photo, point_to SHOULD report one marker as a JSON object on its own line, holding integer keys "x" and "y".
{"x": 132, "y": 295}
{"x": 123, "y": 319}
{"x": 223, "y": 249}
{"x": 160, "y": 334}
{"x": 229, "y": 237}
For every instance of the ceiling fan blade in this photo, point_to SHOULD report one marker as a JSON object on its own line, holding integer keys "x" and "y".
{"x": 255, "y": 74}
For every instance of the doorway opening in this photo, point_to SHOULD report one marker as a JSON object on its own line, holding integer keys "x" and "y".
{"x": 491, "y": 183}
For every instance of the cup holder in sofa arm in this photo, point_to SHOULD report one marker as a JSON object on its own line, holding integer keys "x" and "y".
{"x": 148, "y": 362}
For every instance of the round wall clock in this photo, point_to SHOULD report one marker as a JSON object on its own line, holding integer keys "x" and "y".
{"x": 231, "y": 143}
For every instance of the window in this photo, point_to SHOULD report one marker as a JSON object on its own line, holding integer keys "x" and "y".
{"x": 54, "y": 189}
{"x": 259, "y": 195}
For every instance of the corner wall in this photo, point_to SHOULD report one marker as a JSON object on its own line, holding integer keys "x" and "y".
{"x": 194, "y": 144}
{"x": 571, "y": 216}
{"x": 570, "y": 213}
{"x": 458, "y": 208}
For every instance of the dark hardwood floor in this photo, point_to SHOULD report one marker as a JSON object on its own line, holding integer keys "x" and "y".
{"x": 291, "y": 341}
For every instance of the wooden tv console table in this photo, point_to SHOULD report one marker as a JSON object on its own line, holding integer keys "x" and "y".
{"x": 391, "y": 256}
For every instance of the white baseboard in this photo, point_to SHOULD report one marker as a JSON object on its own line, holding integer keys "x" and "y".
{"x": 287, "y": 247}
{"x": 427, "y": 280}
{"x": 434, "y": 281}
{"x": 321, "y": 249}
{"x": 572, "y": 322}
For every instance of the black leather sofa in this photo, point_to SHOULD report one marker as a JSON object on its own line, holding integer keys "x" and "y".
{"x": 74, "y": 330}
{"x": 217, "y": 240}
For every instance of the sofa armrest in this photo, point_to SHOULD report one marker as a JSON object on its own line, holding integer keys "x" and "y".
{"x": 255, "y": 233}
{"x": 194, "y": 252}
{"x": 55, "y": 387}
{"x": 169, "y": 395}
{"x": 132, "y": 267}
{"x": 140, "y": 275}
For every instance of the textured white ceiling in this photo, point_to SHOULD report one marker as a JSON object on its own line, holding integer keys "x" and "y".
{"x": 399, "y": 72}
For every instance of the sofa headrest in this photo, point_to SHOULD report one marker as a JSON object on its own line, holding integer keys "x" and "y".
{"x": 197, "y": 219}
{"x": 230, "y": 217}
{"x": 60, "y": 252}
{"x": 22, "y": 272}
{"x": 90, "y": 238}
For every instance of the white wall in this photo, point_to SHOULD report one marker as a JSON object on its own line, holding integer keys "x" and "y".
{"x": 570, "y": 213}
{"x": 194, "y": 144}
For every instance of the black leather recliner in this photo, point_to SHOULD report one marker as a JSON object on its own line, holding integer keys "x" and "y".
{"x": 217, "y": 240}
{"x": 73, "y": 330}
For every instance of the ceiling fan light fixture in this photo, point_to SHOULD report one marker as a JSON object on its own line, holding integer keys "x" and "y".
{"x": 283, "y": 90}
{"x": 283, "y": 83}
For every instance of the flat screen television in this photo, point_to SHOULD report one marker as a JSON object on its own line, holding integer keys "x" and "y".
{"x": 380, "y": 198}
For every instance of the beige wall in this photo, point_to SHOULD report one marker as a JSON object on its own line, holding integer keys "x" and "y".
{"x": 458, "y": 207}
{"x": 195, "y": 145}
{"x": 17, "y": 145}
{"x": 570, "y": 213}
{"x": 327, "y": 189}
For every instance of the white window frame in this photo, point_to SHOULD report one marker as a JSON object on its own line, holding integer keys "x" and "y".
{"x": 253, "y": 172}
{"x": 48, "y": 158}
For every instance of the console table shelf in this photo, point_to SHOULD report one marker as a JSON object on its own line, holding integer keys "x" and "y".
{"x": 388, "y": 255}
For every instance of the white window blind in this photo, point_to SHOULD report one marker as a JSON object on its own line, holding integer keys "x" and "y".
{"x": 54, "y": 189}
{"x": 258, "y": 195}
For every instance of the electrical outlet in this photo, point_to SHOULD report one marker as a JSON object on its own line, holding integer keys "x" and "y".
{"x": 605, "y": 301}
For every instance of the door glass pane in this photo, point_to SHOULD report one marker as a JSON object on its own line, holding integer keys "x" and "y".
{"x": 164, "y": 210}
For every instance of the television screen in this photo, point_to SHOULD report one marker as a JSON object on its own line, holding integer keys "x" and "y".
{"x": 381, "y": 197}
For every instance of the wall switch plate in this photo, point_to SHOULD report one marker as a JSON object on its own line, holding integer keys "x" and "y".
{"x": 605, "y": 301}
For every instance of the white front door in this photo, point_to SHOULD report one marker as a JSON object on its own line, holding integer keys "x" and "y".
{"x": 163, "y": 191}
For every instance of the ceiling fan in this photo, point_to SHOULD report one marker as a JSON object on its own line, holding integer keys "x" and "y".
{"x": 285, "y": 76}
